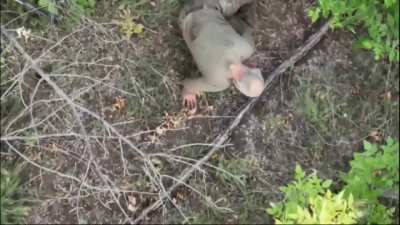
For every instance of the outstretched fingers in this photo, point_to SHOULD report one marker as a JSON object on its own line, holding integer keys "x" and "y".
{"x": 190, "y": 102}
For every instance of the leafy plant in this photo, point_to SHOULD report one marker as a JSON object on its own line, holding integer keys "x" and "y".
{"x": 12, "y": 209}
{"x": 309, "y": 200}
{"x": 81, "y": 7}
{"x": 373, "y": 172}
{"x": 380, "y": 18}
{"x": 75, "y": 8}
{"x": 128, "y": 25}
{"x": 327, "y": 209}
{"x": 48, "y": 5}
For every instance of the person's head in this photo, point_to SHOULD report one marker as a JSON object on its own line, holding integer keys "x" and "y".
{"x": 247, "y": 80}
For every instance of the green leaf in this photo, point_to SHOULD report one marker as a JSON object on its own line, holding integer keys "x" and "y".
{"x": 309, "y": 200}
{"x": 92, "y": 3}
{"x": 271, "y": 211}
{"x": 326, "y": 183}
{"x": 53, "y": 8}
{"x": 314, "y": 14}
{"x": 299, "y": 172}
{"x": 370, "y": 148}
{"x": 43, "y": 3}
{"x": 367, "y": 44}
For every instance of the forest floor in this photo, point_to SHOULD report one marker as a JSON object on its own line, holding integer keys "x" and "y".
{"x": 316, "y": 115}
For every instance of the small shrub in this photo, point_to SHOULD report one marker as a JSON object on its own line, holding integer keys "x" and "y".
{"x": 308, "y": 199}
{"x": 380, "y": 18}
{"x": 128, "y": 25}
{"x": 372, "y": 173}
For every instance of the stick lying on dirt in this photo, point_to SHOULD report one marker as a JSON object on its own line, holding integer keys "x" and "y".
{"x": 220, "y": 140}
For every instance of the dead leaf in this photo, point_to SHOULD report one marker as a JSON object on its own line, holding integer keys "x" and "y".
{"x": 356, "y": 90}
{"x": 154, "y": 139}
{"x": 160, "y": 131}
{"x": 172, "y": 121}
{"x": 119, "y": 104}
{"x": 287, "y": 120}
{"x": 132, "y": 203}
{"x": 180, "y": 196}
{"x": 23, "y": 32}
{"x": 377, "y": 173}
{"x": 54, "y": 148}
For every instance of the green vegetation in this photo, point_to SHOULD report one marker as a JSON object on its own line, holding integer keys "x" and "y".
{"x": 316, "y": 107}
{"x": 304, "y": 199}
{"x": 77, "y": 8}
{"x": 309, "y": 200}
{"x": 372, "y": 173}
{"x": 12, "y": 208}
{"x": 239, "y": 171}
{"x": 380, "y": 18}
{"x": 235, "y": 178}
{"x": 66, "y": 12}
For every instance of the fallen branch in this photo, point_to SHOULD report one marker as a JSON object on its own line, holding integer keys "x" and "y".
{"x": 220, "y": 140}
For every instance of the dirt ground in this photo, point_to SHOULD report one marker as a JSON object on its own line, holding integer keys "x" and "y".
{"x": 316, "y": 115}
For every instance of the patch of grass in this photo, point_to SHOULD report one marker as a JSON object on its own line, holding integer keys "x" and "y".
{"x": 239, "y": 170}
{"x": 66, "y": 13}
{"x": 234, "y": 189}
{"x": 203, "y": 218}
{"x": 349, "y": 104}
{"x": 252, "y": 207}
{"x": 251, "y": 210}
{"x": 276, "y": 125}
{"x": 13, "y": 207}
{"x": 154, "y": 93}
{"x": 145, "y": 10}
{"x": 316, "y": 103}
